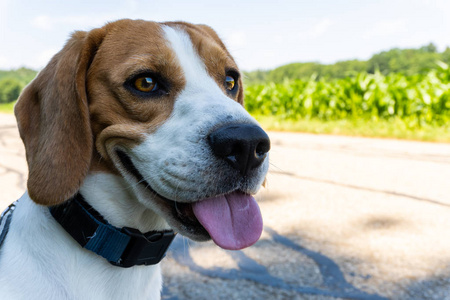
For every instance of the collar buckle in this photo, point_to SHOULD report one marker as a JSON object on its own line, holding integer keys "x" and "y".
{"x": 144, "y": 248}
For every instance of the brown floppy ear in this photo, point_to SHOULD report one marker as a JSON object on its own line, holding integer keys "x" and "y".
{"x": 53, "y": 118}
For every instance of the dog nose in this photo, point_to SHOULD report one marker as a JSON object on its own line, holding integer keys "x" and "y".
{"x": 243, "y": 146}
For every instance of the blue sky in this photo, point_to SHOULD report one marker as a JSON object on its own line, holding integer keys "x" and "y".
{"x": 260, "y": 34}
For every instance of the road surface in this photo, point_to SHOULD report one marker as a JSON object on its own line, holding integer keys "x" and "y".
{"x": 345, "y": 218}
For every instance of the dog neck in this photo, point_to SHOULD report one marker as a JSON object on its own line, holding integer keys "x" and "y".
{"x": 114, "y": 199}
{"x": 69, "y": 269}
{"x": 37, "y": 245}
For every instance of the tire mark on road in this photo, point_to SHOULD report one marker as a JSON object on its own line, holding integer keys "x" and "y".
{"x": 393, "y": 193}
{"x": 249, "y": 269}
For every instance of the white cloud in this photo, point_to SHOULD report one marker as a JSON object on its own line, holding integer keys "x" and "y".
{"x": 46, "y": 22}
{"x": 43, "y": 22}
{"x": 442, "y": 5}
{"x": 4, "y": 62}
{"x": 321, "y": 28}
{"x": 386, "y": 28}
{"x": 3, "y": 12}
{"x": 317, "y": 30}
{"x": 44, "y": 57}
{"x": 236, "y": 39}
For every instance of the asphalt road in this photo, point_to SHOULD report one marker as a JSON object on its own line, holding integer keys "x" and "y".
{"x": 345, "y": 218}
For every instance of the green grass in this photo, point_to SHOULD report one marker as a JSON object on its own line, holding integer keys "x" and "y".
{"x": 7, "y": 107}
{"x": 382, "y": 128}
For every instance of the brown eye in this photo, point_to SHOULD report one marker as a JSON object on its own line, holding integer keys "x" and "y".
{"x": 145, "y": 84}
{"x": 229, "y": 83}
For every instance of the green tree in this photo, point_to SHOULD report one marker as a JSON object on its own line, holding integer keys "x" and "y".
{"x": 405, "y": 61}
{"x": 24, "y": 75}
{"x": 295, "y": 71}
{"x": 9, "y": 90}
{"x": 430, "y": 48}
{"x": 343, "y": 69}
{"x": 445, "y": 56}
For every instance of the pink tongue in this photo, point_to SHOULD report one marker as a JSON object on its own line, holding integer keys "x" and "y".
{"x": 233, "y": 221}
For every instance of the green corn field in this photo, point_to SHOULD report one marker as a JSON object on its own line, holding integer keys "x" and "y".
{"x": 417, "y": 100}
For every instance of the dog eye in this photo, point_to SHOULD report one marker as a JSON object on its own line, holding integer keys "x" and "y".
{"x": 146, "y": 84}
{"x": 229, "y": 83}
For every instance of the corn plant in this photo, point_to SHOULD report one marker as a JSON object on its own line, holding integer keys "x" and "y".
{"x": 417, "y": 99}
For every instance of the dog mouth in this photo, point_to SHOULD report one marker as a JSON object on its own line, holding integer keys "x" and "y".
{"x": 232, "y": 220}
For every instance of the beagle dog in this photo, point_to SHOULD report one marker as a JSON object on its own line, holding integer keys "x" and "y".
{"x": 133, "y": 132}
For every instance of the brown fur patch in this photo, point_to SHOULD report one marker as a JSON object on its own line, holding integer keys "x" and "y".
{"x": 118, "y": 116}
{"x": 79, "y": 100}
{"x": 213, "y": 53}
{"x": 79, "y": 108}
{"x": 54, "y": 124}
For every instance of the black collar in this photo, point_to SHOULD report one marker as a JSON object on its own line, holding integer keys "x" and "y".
{"x": 124, "y": 247}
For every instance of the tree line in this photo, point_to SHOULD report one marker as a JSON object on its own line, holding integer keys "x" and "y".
{"x": 12, "y": 82}
{"x": 403, "y": 61}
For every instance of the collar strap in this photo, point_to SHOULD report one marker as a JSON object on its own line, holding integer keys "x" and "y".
{"x": 125, "y": 247}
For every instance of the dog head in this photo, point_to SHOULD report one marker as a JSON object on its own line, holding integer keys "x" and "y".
{"x": 159, "y": 104}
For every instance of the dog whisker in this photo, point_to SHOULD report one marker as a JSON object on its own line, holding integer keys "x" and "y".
{"x": 275, "y": 166}
{"x": 176, "y": 207}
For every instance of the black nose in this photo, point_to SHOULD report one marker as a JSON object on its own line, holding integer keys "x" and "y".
{"x": 243, "y": 146}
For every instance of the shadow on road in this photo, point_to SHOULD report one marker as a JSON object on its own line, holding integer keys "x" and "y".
{"x": 333, "y": 282}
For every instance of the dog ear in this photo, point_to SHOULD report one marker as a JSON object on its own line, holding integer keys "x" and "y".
{"x": 53, "y": 118}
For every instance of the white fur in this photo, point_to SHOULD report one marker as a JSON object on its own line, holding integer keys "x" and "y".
{"x": 39, "y": 260}
{"x": 119, "y": 204}
{"x": 182, "y": 171}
